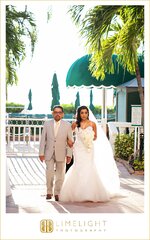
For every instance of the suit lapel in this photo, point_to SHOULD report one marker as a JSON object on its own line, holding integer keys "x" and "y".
{"x": 52, "y": 127}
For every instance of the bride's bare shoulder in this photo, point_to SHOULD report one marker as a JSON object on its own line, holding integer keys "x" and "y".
{"x": 73, "y": 125}
{"x": 92, "y": 124}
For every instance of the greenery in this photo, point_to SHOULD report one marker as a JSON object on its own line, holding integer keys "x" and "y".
{"x": 111, "y": 109}
{"x": 20, "y": 26}
{"x": 108, "y": 30}
{"x": 124, "y": 146}
{"x": 14, "y": 107}
{"x": 138, "y": 165}
{"x": 97, "y": 109}
{"x": 68, "y": 108}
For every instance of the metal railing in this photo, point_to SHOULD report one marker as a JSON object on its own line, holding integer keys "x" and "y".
{"x": 23, "y": 135}
{"x": 116, "y": 128}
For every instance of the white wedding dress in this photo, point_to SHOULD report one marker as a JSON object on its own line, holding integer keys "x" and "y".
{"x": 87, "y": 180}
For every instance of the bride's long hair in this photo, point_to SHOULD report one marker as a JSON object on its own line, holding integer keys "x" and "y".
{"x": 78, "y": 116}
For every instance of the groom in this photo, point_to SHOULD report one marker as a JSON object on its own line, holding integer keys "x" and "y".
{"x": 55, "y": 151}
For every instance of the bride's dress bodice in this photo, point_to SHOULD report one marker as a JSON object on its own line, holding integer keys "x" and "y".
{"x": 83, "y": 153}
{"x": 80, "y": 132}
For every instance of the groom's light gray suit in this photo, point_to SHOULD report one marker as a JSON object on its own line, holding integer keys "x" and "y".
{"x": 55, "y": 150}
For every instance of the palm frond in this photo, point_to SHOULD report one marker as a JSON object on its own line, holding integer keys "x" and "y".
{"x": 112, "y": 29}
{"x": 19, "y": 26}
{"x": 76, "y": 13}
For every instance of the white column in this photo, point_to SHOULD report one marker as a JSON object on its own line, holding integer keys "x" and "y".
{"x": 103, "y": 112}
{"x": 106, "y": 105}
{"x": 103, "y": 104}
{"x": 135, "y": 139}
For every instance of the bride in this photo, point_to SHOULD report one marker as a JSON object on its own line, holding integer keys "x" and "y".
{"x": 94, "y": 174}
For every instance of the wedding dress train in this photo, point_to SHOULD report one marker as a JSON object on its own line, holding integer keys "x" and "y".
{"x": 89, "y": 178}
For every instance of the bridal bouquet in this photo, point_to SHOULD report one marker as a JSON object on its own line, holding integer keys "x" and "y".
{"x": 87, "y": 138}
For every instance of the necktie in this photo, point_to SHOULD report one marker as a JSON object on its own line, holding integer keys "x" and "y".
{"x": 56, "y": 128}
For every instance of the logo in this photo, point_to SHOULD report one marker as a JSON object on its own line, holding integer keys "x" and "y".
{"x": 46, "y": 226}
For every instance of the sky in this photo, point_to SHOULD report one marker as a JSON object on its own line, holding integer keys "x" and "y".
{"x": 59, "y": 45}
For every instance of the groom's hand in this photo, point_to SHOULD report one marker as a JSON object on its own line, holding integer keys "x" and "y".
{"x": 42, "y": 158}
{"x": 68, "y": 160}
{"x": 70, "y": 143}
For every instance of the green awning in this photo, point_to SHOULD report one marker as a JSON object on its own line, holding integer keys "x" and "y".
{"x": 80, "y": 76}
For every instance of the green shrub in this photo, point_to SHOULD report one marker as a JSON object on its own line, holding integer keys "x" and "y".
{"x": 97, "y": 109}
{"x": 124, "y": 146}
{"x": 68, "y": 108}
{"x": 138, "y": 165}
{"x": 14, "y": 107}
{"x": 111, "y": 110}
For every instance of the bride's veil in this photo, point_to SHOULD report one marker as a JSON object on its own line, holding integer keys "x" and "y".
{"x": 105, "y": 163}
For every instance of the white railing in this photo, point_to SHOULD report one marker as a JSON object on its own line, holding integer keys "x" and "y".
{"x": 23, "y": 134}
{"x": 116, "y": 128}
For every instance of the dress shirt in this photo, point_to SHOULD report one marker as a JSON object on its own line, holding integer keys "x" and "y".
{"x": 56, "y": 127}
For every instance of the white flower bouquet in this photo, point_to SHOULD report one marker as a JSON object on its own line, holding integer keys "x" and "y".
{"x": 87, "y": 138}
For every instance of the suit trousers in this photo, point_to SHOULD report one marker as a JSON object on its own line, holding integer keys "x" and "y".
{"x": 55, "y": 174}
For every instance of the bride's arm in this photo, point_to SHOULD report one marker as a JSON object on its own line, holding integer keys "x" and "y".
{"x": 69, "y": 141}
{"x": 73, "y": 126}
{"x": 95, "y": 130}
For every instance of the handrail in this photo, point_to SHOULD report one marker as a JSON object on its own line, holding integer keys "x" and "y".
{"x": 116, "y": 128}
{"x": 24, "y": 134}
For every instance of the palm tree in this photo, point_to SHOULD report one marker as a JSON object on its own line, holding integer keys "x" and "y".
{"x": 19, "y": 26}
{"x": 112, "y": 30}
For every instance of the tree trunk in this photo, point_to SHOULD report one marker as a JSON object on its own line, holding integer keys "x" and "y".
{"x": 140, "y": 89}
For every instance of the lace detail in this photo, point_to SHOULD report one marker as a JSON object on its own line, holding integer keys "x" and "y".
{"x": 86, "y": 136}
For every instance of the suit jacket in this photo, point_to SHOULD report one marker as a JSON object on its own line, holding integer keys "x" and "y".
{"x": 50, "y": 144}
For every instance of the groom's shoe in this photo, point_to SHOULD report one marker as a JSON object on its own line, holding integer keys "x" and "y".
{"x": 48, "y": 196}
{"x": 56, "y": 198}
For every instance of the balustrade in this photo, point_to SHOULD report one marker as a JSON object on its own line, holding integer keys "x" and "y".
{"x": 123, "y": 128}
{"x": 23, "y": 135}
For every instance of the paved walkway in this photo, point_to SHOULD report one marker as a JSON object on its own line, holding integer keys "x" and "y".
{"x": 27, "y": 178}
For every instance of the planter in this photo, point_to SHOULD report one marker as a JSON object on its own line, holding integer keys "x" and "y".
{"x": 138, "y": 172}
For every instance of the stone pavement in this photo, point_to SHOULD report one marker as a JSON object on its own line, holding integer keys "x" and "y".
{"x": 28, "y": 192}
